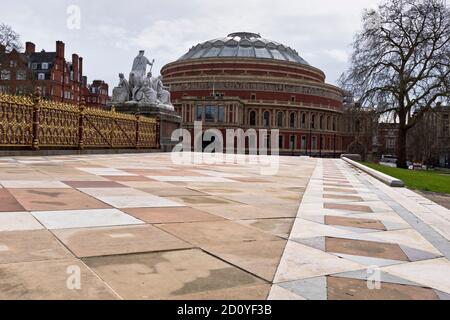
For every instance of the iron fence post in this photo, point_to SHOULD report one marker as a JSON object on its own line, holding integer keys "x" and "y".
{"x": 36, "y": 111}
{"x": 81, "y": 124}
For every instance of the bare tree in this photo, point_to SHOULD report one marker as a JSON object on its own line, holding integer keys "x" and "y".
{"x": 401, "y": 62}
{"x": 9, "y": 38}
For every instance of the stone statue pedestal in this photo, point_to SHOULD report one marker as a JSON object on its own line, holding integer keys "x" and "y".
{"x": 168, "y": 119}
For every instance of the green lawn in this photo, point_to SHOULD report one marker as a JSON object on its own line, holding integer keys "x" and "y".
{"x": 435, "y": 181}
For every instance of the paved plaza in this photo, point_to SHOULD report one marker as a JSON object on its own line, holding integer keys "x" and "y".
{"x": 138, "y": 226}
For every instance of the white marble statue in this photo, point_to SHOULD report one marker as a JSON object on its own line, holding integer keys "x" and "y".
{"x": 121, "y": 93}
{"x": 163, "y": 92}
{"x": 140, "y": 63}
{"x": 147, "y": 94}
{"x": 142, "y": 88}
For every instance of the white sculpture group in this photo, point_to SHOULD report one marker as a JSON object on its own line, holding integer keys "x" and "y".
{"x": 142, "y": 87}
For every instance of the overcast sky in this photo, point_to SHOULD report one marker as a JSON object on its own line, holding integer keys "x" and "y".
{"x": 112, "y": 32}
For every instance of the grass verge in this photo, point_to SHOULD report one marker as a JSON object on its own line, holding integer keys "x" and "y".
{"x": 432, "y": 180}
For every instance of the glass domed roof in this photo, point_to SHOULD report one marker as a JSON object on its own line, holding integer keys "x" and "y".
{"x": 244, "y": 45}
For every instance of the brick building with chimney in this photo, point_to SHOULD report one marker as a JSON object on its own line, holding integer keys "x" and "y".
{"x": 59, "y": 79}
{"x": 95, "y": 94}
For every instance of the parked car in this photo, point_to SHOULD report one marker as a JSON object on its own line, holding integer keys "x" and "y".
{"x": 386, "y": 158}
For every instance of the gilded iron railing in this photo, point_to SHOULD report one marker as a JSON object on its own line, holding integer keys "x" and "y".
{"x": 27, "y": 122}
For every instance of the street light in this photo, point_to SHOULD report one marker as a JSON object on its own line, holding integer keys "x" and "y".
{"x": 310, "y": 141}
{"x": 320, "y": 145}
{"x": 334, "y": 145}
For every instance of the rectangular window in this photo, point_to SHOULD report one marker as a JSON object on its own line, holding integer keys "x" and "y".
{"x": 303, "y": 142}
{"x": 210, "y": 113}
{"x": 199, "y": 113}
{"x": 391, "y": 143}
{"x": 41, "y": 76}
{"x": 266, "y": 141}
{"x": 34, "y": 66}
{"x": 303, "y": 121}
{"x": 280, "y": 142}
{"x": 292, "y": 143}
{"x": 5, "y": 75}
{"x": 44, "y": 66}
{"x": 314, "y": 143}
{"x": 21, "y": 75}
{"x": 253, "y": 96}
{"x": 221, "y": 114}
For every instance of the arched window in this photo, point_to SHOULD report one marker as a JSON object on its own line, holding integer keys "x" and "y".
{"x": 328, "y": 123}
{"x": 292, "y": 120}
{"x": 280, "y": 119}
{"x": 321, "y": 122}
{"x": 334, "y": 124}
{"x": 303, "y": 122}
{"x": 313, "y": 121}
{"x": 252, "y": 118}
{"x": 266, "y": 119}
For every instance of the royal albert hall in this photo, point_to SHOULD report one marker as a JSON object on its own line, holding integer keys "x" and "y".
{"x": 249, "y": 82}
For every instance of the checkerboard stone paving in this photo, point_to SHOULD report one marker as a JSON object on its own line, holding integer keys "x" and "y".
{"x": 137, "y": 226}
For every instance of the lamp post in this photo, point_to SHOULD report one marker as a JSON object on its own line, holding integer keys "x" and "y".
{"x": 334, "y": 146}
{"x": 293, "y": 140}
{"x": 310, "y": 141}
{"x": 320, "y": 145}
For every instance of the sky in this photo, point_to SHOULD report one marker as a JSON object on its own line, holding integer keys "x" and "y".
{"x": 109, "y": 34}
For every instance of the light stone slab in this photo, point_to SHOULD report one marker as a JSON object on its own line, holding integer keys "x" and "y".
{"x": 106, "y": 172}
{"x": 308, "y": 229}
{"x": 301, "y": 262}
{"x": 130, "y": 198}
{"x": 84, "y": 218}
{"x": 279, "y": 293}
{"x": 189, "y": 179}
{"x": 431, "y": 273}
{"x": 18, "y": 221}
{"x": 33, "y": 184}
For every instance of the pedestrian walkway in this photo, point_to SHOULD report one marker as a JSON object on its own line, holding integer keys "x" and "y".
{"x": 138, "y": 226}
{"x": 356, "y": 238}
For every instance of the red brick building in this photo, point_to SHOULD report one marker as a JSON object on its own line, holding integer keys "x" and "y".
{"x": 59, "y": 79}
{"x": 95, "y": 94}
{"x": 245, "y": 81}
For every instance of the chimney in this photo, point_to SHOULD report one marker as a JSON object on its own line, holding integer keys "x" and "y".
{"x": 60, "y": 49}
{"x": 75, "y": 66}
{"x": 80, "y": 67}
{"x": 30, "y": 48}
{"x": 84, "y": 82}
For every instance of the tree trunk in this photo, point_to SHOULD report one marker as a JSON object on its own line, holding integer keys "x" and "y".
{"x": 401, "y": 147}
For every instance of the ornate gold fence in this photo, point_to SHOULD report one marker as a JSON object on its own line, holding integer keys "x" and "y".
{"x": 34, "y": 123}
